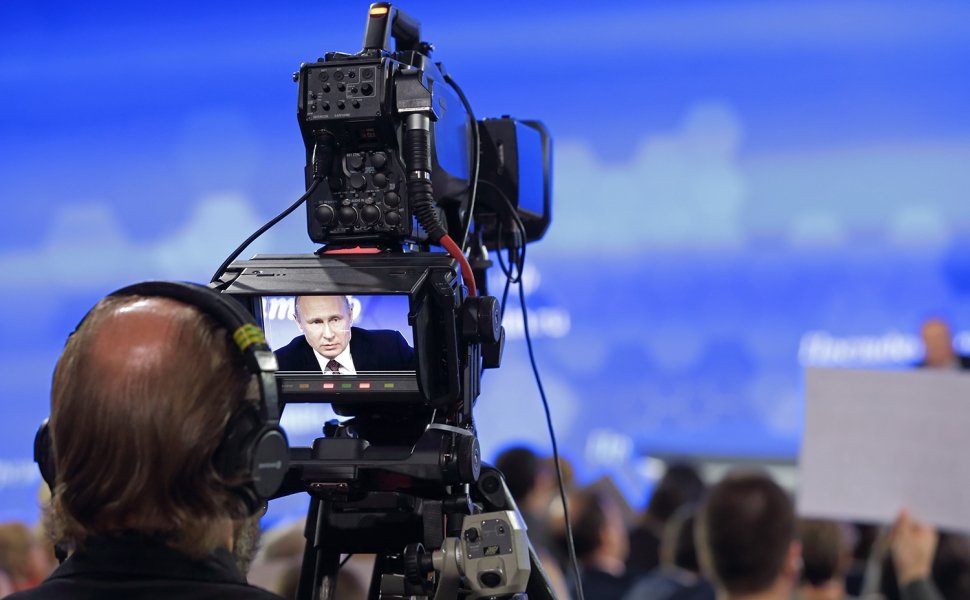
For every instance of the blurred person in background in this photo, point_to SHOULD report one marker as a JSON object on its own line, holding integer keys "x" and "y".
{"x": 679, "y": 485}
{"x": 938, "y": 342}
{"x": 533, "y": 485}
{"x": 679, "y": 569}
{"x": 22, "y": 557}
{"x": 923, "y": 564}
{"x": 863, "y": 536}
{"x": 746, "y": 539}
{"x": 279, "y": 561}
{"x": 826, "y": 557}
{"x": 600, "y": 538}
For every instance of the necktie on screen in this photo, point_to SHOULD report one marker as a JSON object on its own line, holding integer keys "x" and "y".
{"x": 333, "y": 367}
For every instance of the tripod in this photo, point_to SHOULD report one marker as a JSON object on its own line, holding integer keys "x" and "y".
{"x": 430, "y": 540}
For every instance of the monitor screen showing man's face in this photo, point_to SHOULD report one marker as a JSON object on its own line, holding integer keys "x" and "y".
{"x": 343, "y": 335}
{"x": 325, "y": 322}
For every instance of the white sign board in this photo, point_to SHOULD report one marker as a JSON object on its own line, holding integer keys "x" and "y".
{"x": 878, "y": 441}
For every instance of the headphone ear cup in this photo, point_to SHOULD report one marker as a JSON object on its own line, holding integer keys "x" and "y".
{"x": 43, "y": 454}
{"x": 270, "y": 461}
{"x": 254, "y": 452}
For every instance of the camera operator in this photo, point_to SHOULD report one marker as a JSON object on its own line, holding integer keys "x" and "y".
{"x": 329, "y": 343}
{"x": 140, "y": 402}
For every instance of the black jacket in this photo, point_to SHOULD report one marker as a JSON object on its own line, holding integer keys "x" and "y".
{"x": 371, "y": 350}
{"x": 134, "y": 567}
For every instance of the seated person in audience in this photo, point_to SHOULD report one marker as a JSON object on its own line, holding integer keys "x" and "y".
{"x": 680, "y": 485}
{"x": 826, "y": 557}
{"x": 679, "y": 569}
{"x": 600, "y": 538}
{"x": 532, "y": 485}
{"x": 746, "y": 539}
{"x": 330, "y": 344}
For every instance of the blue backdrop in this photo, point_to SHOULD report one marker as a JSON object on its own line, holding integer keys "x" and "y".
{"x": 741, "y": 189}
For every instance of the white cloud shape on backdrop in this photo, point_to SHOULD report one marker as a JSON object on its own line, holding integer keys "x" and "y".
{"x": 685, "y": 189}
{"x": 815, "y": 228}
{"x": 919, "y": 225}
{"x": 913, "y": 193}
{"x": 87, "y": 247}
{"x": 681, "y": 187}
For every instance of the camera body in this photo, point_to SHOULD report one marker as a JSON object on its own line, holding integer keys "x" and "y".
{"x": 352, "y": 112}
{"x": 396, "y": 164}
{"x": 399, "y": 154}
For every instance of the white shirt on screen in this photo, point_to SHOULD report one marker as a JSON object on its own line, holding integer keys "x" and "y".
{"x": 344, "y": 358}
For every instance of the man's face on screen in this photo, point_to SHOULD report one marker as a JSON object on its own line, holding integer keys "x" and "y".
{"x": 325, "y": 322}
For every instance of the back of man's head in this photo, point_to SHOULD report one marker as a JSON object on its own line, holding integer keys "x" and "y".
{"x": 825, "y": 551}
{"x": 745, "y": 534}
{"x": 598, "y": 528}
{"x": 139, "y": 404}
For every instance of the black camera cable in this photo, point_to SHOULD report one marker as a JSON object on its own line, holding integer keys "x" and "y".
{"x": 417, "y": 160}
{"x": 235, "y": 253}
{"x": 476, "y": 159}
{"x": 514, "y": 274}
{"x": 573, "y": 562}
{"x": 516, "y": 252}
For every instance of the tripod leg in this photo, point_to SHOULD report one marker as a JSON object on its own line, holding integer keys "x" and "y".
{"x": 318, "y": 573}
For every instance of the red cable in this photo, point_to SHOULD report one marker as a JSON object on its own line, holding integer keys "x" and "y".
{"x": 466, "y": 269}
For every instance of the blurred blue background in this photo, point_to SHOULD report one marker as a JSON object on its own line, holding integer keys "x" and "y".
{"x": 742, "y": 189}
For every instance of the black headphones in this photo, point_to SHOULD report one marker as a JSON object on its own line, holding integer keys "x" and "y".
{"x": 253, "y": 445}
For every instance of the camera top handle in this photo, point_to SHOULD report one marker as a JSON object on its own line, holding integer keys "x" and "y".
{"x": 385, "y": 21}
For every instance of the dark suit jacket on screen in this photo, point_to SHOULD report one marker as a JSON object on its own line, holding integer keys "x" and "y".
{"x": 371, "y": 350}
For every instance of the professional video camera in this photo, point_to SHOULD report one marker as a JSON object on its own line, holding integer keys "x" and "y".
{"x": 396, "y": 164}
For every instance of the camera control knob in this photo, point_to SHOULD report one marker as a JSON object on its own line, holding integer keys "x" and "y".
{"x": 378, "y": 159}
{"x": 392, "y": 218}
{"x": 357, "y": 181}
{"x": 367, "y": 89}
{"x": 370, "y": 214}
{"x": 469, "y": 458}
{"x": 380, "y": 179}
{"x": 355, "y": 161}
{"x": 347, "y": 215}
{"x": 481, "y": 319}
{"x": 391, "y": 199}
{"x": 324, "y": 214}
